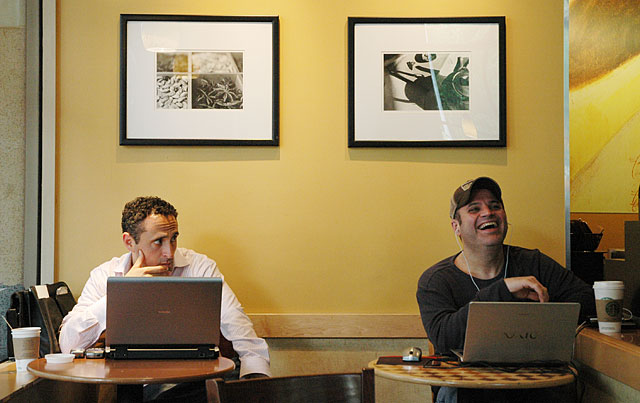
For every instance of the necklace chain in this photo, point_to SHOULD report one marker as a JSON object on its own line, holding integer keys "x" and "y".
{"x": 506, "y": 266}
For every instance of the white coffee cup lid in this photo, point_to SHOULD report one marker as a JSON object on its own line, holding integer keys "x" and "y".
{"x": 59, "y": 358}
{"x": 21, "y": 330}
{"x": 608, "y": 284}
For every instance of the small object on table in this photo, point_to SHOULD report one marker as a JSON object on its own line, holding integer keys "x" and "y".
{"x": 59, "y": 358}
{"x": 412, "y": 354}
{"x": 78, "y": 352}
{"x": 94, "y": 353}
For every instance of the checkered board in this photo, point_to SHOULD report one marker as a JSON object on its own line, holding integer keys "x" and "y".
{"x": 477, "y": 377}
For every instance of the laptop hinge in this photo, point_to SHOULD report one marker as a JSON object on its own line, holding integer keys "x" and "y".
{"x": 169, "y": 352}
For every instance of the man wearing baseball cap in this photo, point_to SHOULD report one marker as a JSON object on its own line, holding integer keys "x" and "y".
{"x": 486, "y": 269}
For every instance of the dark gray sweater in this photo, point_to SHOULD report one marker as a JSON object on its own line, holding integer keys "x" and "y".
{"x": 444, "y": 293}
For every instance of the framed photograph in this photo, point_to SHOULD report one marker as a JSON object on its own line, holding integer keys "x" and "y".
{"x": 199, "y": 80}
{"x": 427, "y": 82}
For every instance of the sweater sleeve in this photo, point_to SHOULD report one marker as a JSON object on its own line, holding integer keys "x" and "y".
{"x": 564, "y": 286}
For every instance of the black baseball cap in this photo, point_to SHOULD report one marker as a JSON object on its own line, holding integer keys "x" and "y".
{"x": 462, "y": 195}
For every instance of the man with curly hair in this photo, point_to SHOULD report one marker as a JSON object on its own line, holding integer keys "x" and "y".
{"x": 150, "y": 234}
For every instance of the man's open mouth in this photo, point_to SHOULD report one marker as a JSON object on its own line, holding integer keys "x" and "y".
{"x": 488, "y": 225}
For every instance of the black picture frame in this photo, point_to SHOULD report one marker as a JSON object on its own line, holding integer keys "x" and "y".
{"x": 427, "y": 82}
{"x": 194, "y": 80}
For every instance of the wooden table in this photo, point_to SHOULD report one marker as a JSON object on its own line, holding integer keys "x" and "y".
{"x": 476, "y": 377}
{"x": 131, "y": 375}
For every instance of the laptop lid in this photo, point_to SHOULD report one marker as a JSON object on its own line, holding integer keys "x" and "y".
{"x": 163, "y": 312}
{"x": 520, "y": 332}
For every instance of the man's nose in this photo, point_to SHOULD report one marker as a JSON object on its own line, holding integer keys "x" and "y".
{"x": 166, "y": 250}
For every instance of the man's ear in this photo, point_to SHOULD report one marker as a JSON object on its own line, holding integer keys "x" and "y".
{"x": 456, "y": 226}
{"x": 128, "y": 241}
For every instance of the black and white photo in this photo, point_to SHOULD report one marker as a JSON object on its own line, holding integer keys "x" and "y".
{"x": 427, "y": 82}
{"x": 215, "y": 77}
{"x": 199, "y": 80}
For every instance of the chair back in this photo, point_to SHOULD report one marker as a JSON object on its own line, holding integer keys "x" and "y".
{"x": 335, "y": 388}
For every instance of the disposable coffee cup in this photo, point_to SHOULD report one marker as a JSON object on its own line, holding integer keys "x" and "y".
{"x": 26, "y": 346}
{"x": 609, "y": 295}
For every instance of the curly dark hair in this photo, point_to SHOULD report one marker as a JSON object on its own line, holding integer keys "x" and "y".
{"x": 139, "y": 208}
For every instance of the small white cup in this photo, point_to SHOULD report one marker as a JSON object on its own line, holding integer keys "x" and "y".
{"x": 609, "y": 295}
{"x": 26, "y": 346}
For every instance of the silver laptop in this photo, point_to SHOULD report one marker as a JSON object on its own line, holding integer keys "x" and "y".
{"x": 163, "y": 317}
{"x": 520, "y": 332}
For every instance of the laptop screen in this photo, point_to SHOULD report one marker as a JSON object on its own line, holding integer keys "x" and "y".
{"x": 163, "y": 312}
{"x": 520, "y": 332}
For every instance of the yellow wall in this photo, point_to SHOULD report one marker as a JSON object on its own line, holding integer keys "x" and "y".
{"x": 311, "y": 226}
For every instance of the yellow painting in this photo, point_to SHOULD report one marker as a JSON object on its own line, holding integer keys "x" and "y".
{"x": 604, "y": 105}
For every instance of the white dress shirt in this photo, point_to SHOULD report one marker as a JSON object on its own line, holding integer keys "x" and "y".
{"x": 82, "y": 327}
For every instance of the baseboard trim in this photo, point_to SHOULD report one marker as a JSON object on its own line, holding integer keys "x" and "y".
{"x": 337, "y": 325}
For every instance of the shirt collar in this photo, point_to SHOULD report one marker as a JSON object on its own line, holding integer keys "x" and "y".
{"x": 179, "y": 259}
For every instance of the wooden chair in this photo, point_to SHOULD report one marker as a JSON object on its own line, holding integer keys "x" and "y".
{"x": 347, "y": 388}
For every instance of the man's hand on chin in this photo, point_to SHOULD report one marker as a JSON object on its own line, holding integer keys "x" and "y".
{"x": 139, "y": 268}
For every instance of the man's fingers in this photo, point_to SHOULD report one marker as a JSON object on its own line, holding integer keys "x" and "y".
{"x": 155, "y": 270}
{"x": 140, "y": 260}
{"x": 533, "y": 295}
{"x": 540, "y": 290}
{"x": 543, "y": 295}
{"x": 528, "y": 288}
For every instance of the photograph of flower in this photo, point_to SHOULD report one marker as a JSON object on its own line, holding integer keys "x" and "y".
{"x": 217, "y": 91}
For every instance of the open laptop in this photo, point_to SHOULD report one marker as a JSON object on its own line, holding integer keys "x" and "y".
{"x": 520, "y": 332}
{"x": 163, "y": 317}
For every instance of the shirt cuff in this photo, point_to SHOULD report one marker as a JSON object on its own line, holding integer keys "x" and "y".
{"x": 252, "y": 365}
{"x": 505, "y": 294}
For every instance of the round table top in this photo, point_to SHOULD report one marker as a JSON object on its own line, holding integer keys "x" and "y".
{"x": 477, "y": 377}
{"x": 111, "y": 371}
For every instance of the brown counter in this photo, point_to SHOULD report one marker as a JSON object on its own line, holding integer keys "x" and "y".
{"x": 616, "y": 358}
{"x": 25, "y": 387}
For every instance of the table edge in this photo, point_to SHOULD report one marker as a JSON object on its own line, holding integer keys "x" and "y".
{"x": 564, "y": 380}
{"x": 126, "y": 381}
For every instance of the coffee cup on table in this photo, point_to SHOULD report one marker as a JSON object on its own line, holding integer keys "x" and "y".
{"x": 26, "y": 346}
{"x": 609, "y": 295}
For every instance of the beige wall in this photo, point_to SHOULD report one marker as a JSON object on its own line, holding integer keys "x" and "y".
{"x": 311, "y": 226}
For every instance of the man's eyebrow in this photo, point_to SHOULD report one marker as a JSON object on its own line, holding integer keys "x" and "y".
{"x": 161, "y": 234}
{"x": 474, "y": 203}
